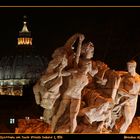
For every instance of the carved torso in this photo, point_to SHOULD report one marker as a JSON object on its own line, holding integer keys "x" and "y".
{"x": 75, "y": 85}
{"x": 130, "y": 84}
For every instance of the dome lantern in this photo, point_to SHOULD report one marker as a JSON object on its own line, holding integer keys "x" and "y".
{"x": 24, "y": 37}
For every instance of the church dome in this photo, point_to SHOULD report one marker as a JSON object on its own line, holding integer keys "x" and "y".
{"x": 23, "y": 68}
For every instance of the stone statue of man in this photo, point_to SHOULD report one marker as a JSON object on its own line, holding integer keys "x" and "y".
{"x": 130, "y": 89}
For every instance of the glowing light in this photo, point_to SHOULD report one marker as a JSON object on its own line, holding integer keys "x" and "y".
{"x": 41, "y": 118}
{"x": 1, "y": 83}
{"x": 24, "y": 41}
{"x": 11, "y": 83}
{"x": 12, "y": 120}
{"x": 27, "y": 118}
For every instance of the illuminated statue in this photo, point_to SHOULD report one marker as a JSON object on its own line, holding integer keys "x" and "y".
{"x": 100, "y": 99}
{"x": 76, "y": 89}
{"x": 52, "y": 84}
{"x": 72, "y": 96}
{"x": 46, "y": 90}
{"x": 50, "y": 89}
{"x": 129, "y": 89}
{"x": 76, "y": 83}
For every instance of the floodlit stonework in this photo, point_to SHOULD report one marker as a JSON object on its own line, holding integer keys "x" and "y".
{"x": 83, "y": 95}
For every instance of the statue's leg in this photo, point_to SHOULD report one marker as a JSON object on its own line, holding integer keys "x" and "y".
{"x": 47, "y": 114}
{"x": 62, "y": 107}
{"x": 37, "y": 93}
{"x": 129, "y": 112}
{"x": 74, "y": 110}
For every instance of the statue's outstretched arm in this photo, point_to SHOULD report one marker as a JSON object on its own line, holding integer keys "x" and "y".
{"x": 78, "y": 52}
{"x": 72, "y": 40}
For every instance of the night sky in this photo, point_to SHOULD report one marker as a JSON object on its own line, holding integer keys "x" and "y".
{"x": 115, "y": 32}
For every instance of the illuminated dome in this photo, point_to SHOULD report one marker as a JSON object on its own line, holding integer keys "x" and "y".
{"x": 22, "y": 69}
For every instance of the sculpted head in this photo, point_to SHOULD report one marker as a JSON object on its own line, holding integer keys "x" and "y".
{"x": 131, "y": 66}
{"x": 87, "y": 50}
